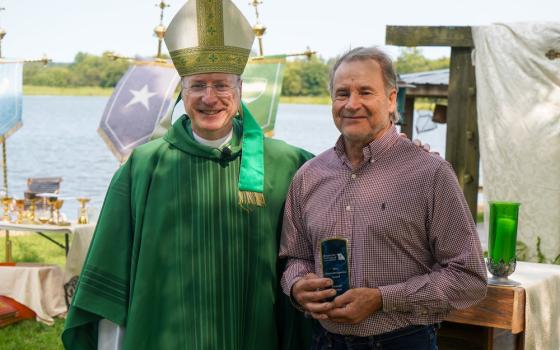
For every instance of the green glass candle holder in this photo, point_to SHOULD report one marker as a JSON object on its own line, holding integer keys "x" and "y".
{"x": 502, "y": 241}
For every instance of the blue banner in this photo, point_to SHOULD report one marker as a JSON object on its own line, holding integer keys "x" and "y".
{"x": 141, "y": 98}
{"x": 10, "y": 97}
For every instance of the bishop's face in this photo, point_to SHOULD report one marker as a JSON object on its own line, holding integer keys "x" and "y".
{"x": 211, "y": 101}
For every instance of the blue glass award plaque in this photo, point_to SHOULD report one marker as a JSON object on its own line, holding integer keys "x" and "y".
{"x": 334, "y": 260}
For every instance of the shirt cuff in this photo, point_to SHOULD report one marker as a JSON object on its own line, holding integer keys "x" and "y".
{"x": 295, "y": 270}
{"x": 393, "y": 298}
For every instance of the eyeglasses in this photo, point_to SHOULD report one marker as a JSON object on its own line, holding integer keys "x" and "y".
{"x": 220, "y": 89}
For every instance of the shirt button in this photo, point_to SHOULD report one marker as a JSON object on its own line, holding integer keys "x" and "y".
{"x": 353, "y": 176}
{"x": 372, "y": 160}
{"x": 348, "y": 208}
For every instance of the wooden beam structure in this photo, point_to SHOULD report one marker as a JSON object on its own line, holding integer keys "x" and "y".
{"x": 429, "y": 36}
{"x": 433, "y": 91}
{"x": 461, "y": 148}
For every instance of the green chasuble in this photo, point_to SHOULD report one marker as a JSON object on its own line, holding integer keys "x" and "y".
{"x": 178, "y": 262}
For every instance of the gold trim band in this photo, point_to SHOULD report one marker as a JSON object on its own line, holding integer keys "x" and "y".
{"x": 217, "y": 59}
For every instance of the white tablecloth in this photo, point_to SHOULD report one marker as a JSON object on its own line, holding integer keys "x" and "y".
{"x": 74, "y": 228}
{"x": 82, "y": 235}
{"x": 39, "y": 287}
{"x": 77, "y": 253}
{"x": 542, "y": 304}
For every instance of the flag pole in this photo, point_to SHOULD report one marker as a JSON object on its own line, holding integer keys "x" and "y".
{"x": 259, "y": 29}
{"x": 5, "y": 165}
{"x": 160, "y": 29}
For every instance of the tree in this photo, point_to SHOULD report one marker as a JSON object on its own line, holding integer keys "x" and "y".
{"x": 305, "y": 78}
{"x": 411, "y": 60}
{"x": 91, "y": 70}
{"x": 86, "y": 70}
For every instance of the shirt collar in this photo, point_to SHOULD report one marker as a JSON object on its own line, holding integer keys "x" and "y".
{"x": 373, "y": 150}
{"x": 219, "y": 143}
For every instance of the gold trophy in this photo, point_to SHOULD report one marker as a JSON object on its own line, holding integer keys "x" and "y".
{"x": 6, "y": 200}
{"x": 57, "y": 206}
{"x": 20, "y": 207}
{"x": 43, "y": 209}
{"x": 82, "y": 213}
{"x": 32, "y": 211}
{"x": 52, "y": 219}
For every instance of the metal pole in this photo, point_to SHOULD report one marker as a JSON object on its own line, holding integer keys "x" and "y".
{"x": 261, "y": 52}
{"x": 5, "y": 165}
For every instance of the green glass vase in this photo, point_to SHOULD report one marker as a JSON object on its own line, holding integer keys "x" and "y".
{"x": 502, "y": 241}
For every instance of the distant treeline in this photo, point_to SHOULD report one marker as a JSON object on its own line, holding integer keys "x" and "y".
{"x": 86, "y": 70}
{"x": 302, "y": 77}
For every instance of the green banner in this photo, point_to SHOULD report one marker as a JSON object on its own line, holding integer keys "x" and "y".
{"x": 262, "y": 85}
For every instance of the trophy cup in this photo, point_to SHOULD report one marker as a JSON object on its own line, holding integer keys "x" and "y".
{"x": 52, "y": 219}
{"x": 20, "y": 209}
{"x": 6, "y": 201}
{"x": 502, "y": 242}
{"x": 43, "y": 213}
{"x": 82, "y": 212}
{"x": 32, "y": 212}
{"x": 59, "y": 220}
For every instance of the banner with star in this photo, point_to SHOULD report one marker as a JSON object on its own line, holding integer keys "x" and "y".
{"x": 262, "y": 85}
{"x": 10, "y": 97}
{"x": 141, "y": 98}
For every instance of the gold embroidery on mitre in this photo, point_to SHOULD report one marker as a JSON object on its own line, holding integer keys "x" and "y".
{"x": 210, "y": 22}
{"x": 221, "y": 59}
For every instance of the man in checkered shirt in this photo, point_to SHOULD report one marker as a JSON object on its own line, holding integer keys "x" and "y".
{"x": 413, "y": 248}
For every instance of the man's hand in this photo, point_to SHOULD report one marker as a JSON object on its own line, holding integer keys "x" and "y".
{"x": 311, "y": 291}
{"x": 355, "y": 305}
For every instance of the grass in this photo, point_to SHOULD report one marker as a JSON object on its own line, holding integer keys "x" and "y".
{"x": 30, "y": 334}
{"x": 66, "y": 91}
{"x": 34, "y": 248}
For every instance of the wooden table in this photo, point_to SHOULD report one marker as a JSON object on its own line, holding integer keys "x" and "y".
{"x": 498, "y": 322}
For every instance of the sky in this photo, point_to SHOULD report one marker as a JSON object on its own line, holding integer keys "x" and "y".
{"x": 61, "y": 28}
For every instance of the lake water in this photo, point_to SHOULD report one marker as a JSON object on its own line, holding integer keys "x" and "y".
{"x": 59, "y": 138}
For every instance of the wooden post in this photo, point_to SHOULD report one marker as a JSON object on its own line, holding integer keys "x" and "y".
{"x": 407, "y": 125}
{"x": 462, "y": 129}
{"x": 461, "y": 147}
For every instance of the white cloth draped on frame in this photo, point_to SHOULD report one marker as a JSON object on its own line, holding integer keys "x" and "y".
{"x": 518, "y": 101}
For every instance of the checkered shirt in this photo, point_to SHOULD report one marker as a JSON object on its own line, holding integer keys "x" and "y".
{"x": 409, "y": 228}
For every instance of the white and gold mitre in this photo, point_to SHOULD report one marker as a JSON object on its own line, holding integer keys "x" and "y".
{"x": 209, "y": 36}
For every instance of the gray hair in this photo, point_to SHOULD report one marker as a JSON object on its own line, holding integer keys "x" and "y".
{"x": 377, "y": 55}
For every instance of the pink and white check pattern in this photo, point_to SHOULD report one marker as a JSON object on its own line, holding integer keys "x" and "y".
{"x": 410, "y": 231}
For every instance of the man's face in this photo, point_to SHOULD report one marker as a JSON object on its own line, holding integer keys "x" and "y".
{"x": 361, "y": 107}
{"x": 211, "y": 101}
